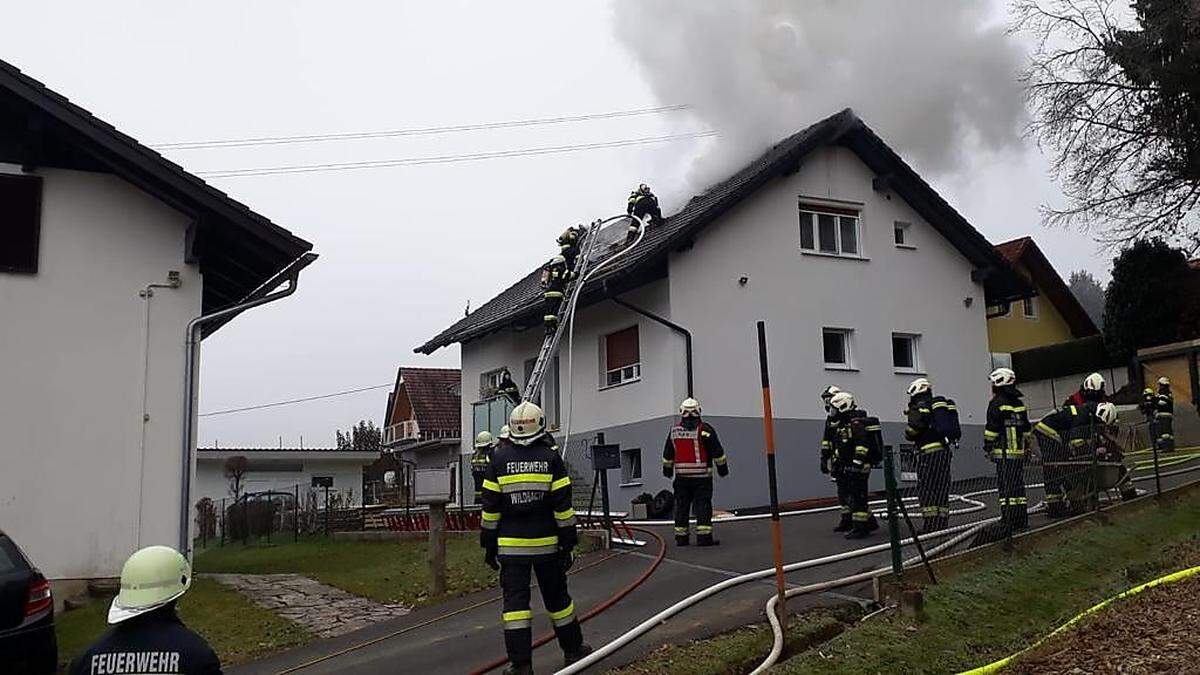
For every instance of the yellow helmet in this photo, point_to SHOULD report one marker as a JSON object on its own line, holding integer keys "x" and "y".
{"x": 151, "y": 578}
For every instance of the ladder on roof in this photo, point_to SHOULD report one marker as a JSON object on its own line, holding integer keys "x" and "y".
{"x": 533, "y": 386}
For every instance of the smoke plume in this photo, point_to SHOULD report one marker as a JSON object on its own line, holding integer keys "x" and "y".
{"x": 935, "y": 78}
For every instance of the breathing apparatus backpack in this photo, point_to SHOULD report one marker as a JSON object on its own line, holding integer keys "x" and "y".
{"x": 945, "y": 419}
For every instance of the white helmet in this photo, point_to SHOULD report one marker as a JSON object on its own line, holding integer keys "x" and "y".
{"x": 484, "y": 439}
{"x": 1093, "y": 382}
{"x": 1106, "y": 413}
{"x": 842, "y": 401}
{"x": 1164, "y": 382}
{"x": 919, "y": 386}
{"x": 1003, "y": 377}
{"x": 504, "y": 434}
{"x": 828, "y": 392}
{"x": 526, "y": 423}
{"x": 151, "y": 578}
{"x": 690, "y": 407}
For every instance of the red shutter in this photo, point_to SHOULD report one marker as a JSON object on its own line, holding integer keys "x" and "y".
{"x": 621, "y": 349}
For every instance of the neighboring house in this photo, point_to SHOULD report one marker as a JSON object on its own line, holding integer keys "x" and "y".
{"x": 421, "y": 426}
{"x": 290, "y": 470}
{"x": 107, "y": 252}
{"x": 1053, "y": 316}
{"x": 865, "y": 276}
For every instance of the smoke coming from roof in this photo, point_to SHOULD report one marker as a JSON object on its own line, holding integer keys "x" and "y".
{"x": 935, "y": 78}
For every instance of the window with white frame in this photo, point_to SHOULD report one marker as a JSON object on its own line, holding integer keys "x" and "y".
{"x": 631, "y": 465}
{"x": 1029, "y": 308}
{"x": 620, "y": 358}
{"x": 906, "y": 353}
{"x": 836, "y": 346}
{"x": 902, "y": 233}
{"x": 489, "y": 382}
{"x": 832, "y": 230}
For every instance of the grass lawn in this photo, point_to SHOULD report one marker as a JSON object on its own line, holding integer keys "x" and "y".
{"x": 985, "y": 609}
{"x": 390, "y": 572}
{"x": 237, "y": 629}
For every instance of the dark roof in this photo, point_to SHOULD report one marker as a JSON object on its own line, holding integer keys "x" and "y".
{"x": 519, "y": 303}
{"x": 239, "y": 450}
{"x": 237, "y": 249}
{"x": 1025, "y": 256}
{"x": 1062, "y": 359}
{"x": 435, "y": 395}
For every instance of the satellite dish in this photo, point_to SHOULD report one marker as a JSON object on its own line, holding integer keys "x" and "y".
{"x": 389, "y": 478}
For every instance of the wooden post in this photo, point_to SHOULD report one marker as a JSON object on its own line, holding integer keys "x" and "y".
{"x": 437, "y": 547}
{"x": 769, "y": 433}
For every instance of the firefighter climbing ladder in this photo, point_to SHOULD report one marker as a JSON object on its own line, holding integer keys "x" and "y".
{"x": 566, "y": 309}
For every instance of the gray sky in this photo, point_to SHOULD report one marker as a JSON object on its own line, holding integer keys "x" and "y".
{"x": 403, "y": 249}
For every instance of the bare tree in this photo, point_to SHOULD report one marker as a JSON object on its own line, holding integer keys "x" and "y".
{"x": 235, "y": 473}
{"x": 1116, "y": 105}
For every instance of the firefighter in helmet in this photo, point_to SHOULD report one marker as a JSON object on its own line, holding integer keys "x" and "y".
{"x": 856, "y": 447}
{"x": 555, "y": 276}
{"x": 528, "y": 528}
{"x": 1164, "y": 416}
{"x": 830, "y": 464}
{"x": 932, "y": 448}
{"x": 1005, "y": 439}
{"x": 146, "y": 630}
{"x": 568, "y": 244}
{"x": 691, "y": 451}
{"x": 484, "y": 446}
{"x": 642, "y": 204}
{"x": 1091, "y": 390}
{"x": 1067, "y": 434}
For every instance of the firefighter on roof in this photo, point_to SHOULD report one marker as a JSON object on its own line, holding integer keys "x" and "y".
{"x": 528, "y": 528}
{"x": 1005, "y": 439}
{"x": 642, "y": 204}
{"x": 568, "y": 244}
{"x": 691, "y": 451}
{"x": 555, "y": 276}
{"x": 932, "y": 428}
{"x": 831, "y": 465}
{"x": 857, "y": 445}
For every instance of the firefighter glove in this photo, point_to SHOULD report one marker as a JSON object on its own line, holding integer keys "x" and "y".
{"x": 489, "y": 558}
{"x": 722, "y": 470}
{"x": 667, "y": 472}
{"x": 824, "y": 465}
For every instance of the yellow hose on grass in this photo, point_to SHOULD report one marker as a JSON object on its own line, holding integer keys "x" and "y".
{"x": 996, "y": 666}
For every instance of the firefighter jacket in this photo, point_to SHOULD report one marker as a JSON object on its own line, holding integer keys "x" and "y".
{"x": 643, "y": 205}
{"x": 155, "y": 642}
{"x": 527, "y": 510}
{"x": 827, "y": 439}
{"x": 920, "y": 429}
{"x": 691, "y": 451}
{"x": 569, "y": 239}
{"x": 1068, "y": 429}
{"x": 1006, "y": 429}
{"x": 509, "y": 390}
{"x": 1147, "y": 405}
{"x": 479, "y": 465}
{"x": 1164, "y": 405}
{"x": 854, "y": 439}
{"x": 554, "y": 280}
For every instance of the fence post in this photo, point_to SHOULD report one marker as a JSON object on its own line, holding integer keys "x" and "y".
{"x": 1006, "y": 509}
{"x": 889, "y": 481}
{"x": 296, "y": 515}
{"x": 222, "y": 521}
{"x": 327, "y": 511}
{"x": 245, "y": 520}
{"x": 1154, "y": 449}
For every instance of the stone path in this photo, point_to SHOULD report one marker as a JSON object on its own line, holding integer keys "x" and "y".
{"x": 324, "y": 610}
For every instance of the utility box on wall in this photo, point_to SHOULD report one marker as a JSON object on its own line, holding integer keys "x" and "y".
{"x": 432, "y": 486}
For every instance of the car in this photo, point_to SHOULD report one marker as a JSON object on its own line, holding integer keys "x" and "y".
{"x": 27, "y": 640}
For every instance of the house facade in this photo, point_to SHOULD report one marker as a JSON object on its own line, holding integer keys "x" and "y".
{"x": 422, "y": 429}
{"x": 865, "y": 278}
{"x": 107, "y": 252}
{"x": 287, "y": 470}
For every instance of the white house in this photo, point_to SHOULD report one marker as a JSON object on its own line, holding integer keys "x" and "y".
{"x": 289, "y": 470}
{"x": 108, "y": 252}
{"x": 864, "y": 275}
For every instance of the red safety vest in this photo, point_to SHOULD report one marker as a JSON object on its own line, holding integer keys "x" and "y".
{"x": 691, "y": 457}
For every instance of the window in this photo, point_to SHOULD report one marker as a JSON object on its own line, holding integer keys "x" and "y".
{"x": 901, "y": 232}
{"x": 20, "y": 222}
{"x": 837, "y": 348}
{"x": 905, "y": 355}
{"x": 829, "y": 229}
{"x": 1029, "y": 308}
{"x": 489, "y": 382}
{"x": 631, "y": 465}
{"x": 1001, "y": 360}
{"x": 620, "y": 358}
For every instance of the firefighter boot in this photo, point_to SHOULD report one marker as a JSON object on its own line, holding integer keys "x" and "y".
{"x": 706, "y": 540}
{"x": 682, "y": 540}
{"x": 522, "y": 669}
{"x": 844, "y": 524}
{"x": 859, "y": 531}
{"x": 584, "y": 650}
{"x": 872, "y": 523}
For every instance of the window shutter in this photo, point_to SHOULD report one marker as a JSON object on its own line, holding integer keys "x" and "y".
{"x": 20, "y": 222}
{"x": 621, "y": 349}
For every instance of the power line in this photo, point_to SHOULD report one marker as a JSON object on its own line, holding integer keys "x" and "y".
{"x": 450, "y": 159}
{"x": 418, "y": 131}
{"x": 294, "y": 400}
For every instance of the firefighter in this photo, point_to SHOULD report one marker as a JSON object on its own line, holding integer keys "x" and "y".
{"x": 568, "y": 244}
{"x": 691, "y": 451}
{"x": 855, "y": 446}
{"x": 485, "y": 445}
{"x": 528, "y": 527}
{"x": 642, "y": 204}
{"x": 830, "y": 464}
{"x": 147, "y": 635}
{"x": 554, "y": 284}
{"x": 1164, "y": 416}
{"x": 1091, "y": 390}
{"x": 933, "y": 454}
{"x": 1062, "y": 435}
{"x": 504, "y": 434}
{"x": 1005, "y": 437}
{"x": 508, "y": 389}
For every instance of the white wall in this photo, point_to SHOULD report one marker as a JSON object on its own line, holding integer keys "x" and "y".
{"x": 895, "y": 290}
{"x": 1044, "y": 396}
{"x": 74, "y": 489}
{"x": 347, "y": 476}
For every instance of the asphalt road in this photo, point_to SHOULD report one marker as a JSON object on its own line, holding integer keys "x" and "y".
{"x": 464, "y": 634}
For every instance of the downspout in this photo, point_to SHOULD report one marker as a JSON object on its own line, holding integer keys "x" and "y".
{"x": 687, "y": 335}
{"x": 173, "y": 281}
{"x": 291, "y": 274}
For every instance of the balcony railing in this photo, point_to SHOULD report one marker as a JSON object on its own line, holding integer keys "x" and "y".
{"x": 409, "y": 430}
